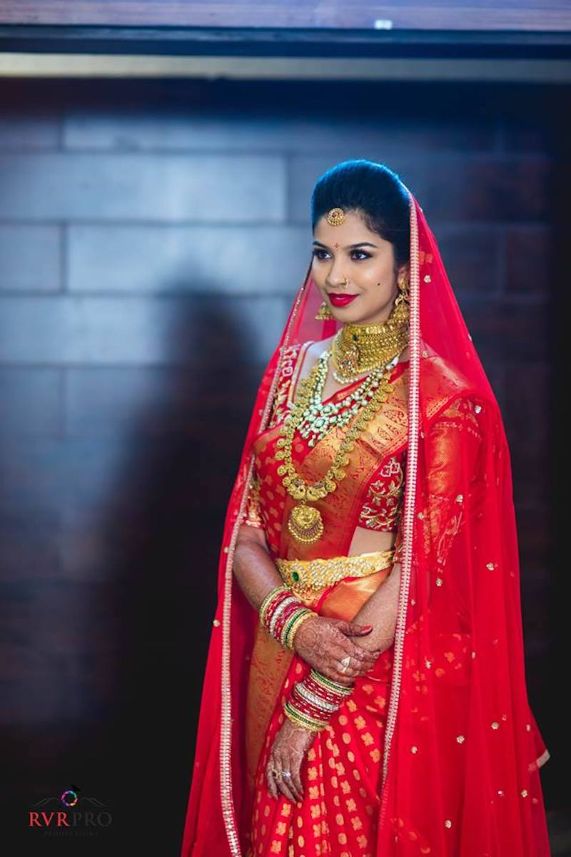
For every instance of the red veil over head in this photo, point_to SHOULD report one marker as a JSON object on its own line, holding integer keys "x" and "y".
{"x": 462, "y": 750}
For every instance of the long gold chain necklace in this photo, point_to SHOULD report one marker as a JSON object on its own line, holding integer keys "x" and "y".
{"x": 305, "y": 523}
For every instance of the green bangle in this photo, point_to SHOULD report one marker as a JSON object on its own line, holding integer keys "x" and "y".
{"x": 329, "y": 684}
{"x": 303, "y": 719}
{"x": 293, "y": 628}
{"x": 289, "y": 623}
{"x": 292, "y": 624}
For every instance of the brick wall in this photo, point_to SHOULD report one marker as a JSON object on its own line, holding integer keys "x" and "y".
{"x": 151, "y": 238}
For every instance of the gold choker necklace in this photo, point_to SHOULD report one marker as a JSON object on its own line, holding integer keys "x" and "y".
{"x": 359, "y": 348}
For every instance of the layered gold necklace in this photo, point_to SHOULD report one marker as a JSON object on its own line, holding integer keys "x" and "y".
{"x": 356, "y": 349}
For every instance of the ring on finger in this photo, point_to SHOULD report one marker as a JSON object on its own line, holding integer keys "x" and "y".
{"x": 345, "y": 664}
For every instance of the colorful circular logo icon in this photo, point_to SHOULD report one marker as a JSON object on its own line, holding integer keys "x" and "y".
{"x": 69, "y": 798}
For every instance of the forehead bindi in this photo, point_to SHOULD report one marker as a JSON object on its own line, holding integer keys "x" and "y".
{"x": 348, "y": 236}
{"x": 336, "y": 245}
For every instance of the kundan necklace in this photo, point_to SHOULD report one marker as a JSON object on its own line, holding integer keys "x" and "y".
{"x": 318, "y": 418}
{"x": 305, "y": 523}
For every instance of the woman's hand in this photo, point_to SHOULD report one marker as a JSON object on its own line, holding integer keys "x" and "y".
{"x": 284, "y": 764}
{"x": 324, "y": 642}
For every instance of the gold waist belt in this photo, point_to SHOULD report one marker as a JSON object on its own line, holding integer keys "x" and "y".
{"x": 308, "y": 575}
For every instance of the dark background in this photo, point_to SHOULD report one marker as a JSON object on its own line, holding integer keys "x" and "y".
{"x": 152, "y": 235}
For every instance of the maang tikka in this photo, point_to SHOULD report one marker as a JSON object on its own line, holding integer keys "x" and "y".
{"x": 335, "y": 217}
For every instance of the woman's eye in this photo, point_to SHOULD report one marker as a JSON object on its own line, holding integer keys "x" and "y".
{"x": 357, "y": 255}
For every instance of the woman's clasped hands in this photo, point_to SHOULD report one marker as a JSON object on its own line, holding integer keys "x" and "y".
{"x": 324, "y": 644}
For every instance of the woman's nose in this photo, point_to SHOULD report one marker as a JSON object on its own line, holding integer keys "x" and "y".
{"x": 336, "y": 278}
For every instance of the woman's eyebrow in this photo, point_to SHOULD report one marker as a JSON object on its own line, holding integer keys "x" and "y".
{"x": 349, "y": 246}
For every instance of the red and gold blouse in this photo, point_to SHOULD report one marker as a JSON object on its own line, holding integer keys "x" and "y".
{"x": 380, "y": 506}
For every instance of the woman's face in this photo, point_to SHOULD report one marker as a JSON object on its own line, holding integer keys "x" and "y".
{"x": 352, "y": 251}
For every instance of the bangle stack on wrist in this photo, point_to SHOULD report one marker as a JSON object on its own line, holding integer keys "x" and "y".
{"x": 314, "y": 700}
{"x": 282, "y": 614}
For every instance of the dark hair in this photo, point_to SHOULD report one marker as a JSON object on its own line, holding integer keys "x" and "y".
{"x": 375, "y": 192}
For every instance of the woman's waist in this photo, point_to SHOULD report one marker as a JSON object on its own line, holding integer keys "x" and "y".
{"x": 305, "y": 576}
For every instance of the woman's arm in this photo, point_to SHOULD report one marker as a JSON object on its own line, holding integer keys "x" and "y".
{"x": 320, "y": 641}
{"x": 253, "y": 567}
{"x": 380, "y": 611}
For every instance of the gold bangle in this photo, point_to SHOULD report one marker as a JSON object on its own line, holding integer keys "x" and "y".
{"x": 302, "y": 719}
{"x": 291, "y": 622}
{"x": 330, "y": 684}
{"x": 267, "y": 600}
{"x": 295, "y": 626}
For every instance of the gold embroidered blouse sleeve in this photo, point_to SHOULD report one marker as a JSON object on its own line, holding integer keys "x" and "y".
{"x": 381, "y": 508}
{"x": 252, "y": 514}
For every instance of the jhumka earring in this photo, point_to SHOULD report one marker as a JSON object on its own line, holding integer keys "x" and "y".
{"x": 323, "y": 313}
{"x": 400, "y": 311}
{"x": 404, "y": 294}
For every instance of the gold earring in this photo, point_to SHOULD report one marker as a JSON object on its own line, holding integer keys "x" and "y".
{"x": 404, "y": 294}
{"x": 324, "y": 312}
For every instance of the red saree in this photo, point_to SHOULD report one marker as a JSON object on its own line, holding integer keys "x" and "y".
{"x": 436, "y": 751}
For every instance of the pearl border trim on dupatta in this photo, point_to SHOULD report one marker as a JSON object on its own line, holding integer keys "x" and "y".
{"x": 410, "y": 487}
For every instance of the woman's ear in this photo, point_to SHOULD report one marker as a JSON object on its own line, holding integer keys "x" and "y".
{"x": 403, "y": 272}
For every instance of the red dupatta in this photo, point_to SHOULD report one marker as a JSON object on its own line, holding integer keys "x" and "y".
{"x": 462, "y": 750}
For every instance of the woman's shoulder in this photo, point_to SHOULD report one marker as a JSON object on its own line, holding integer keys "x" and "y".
{"x": 310, "y": 352}
{"x": 445, "y": 386}
{"x": 440, "y": 374}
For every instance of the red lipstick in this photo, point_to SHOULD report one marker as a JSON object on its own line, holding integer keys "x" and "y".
{"x": 341, "y": 300}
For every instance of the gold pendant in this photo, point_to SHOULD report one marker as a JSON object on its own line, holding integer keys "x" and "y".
{"x": 305, "y": 524}
{"x": 348, "y": 362}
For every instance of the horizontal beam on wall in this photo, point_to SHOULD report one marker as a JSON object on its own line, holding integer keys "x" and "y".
{"x": 283, "y": 68}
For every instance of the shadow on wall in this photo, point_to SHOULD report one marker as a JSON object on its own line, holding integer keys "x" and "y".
{"x": 147, "y": 574}
{"x": 175, "y": 486}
